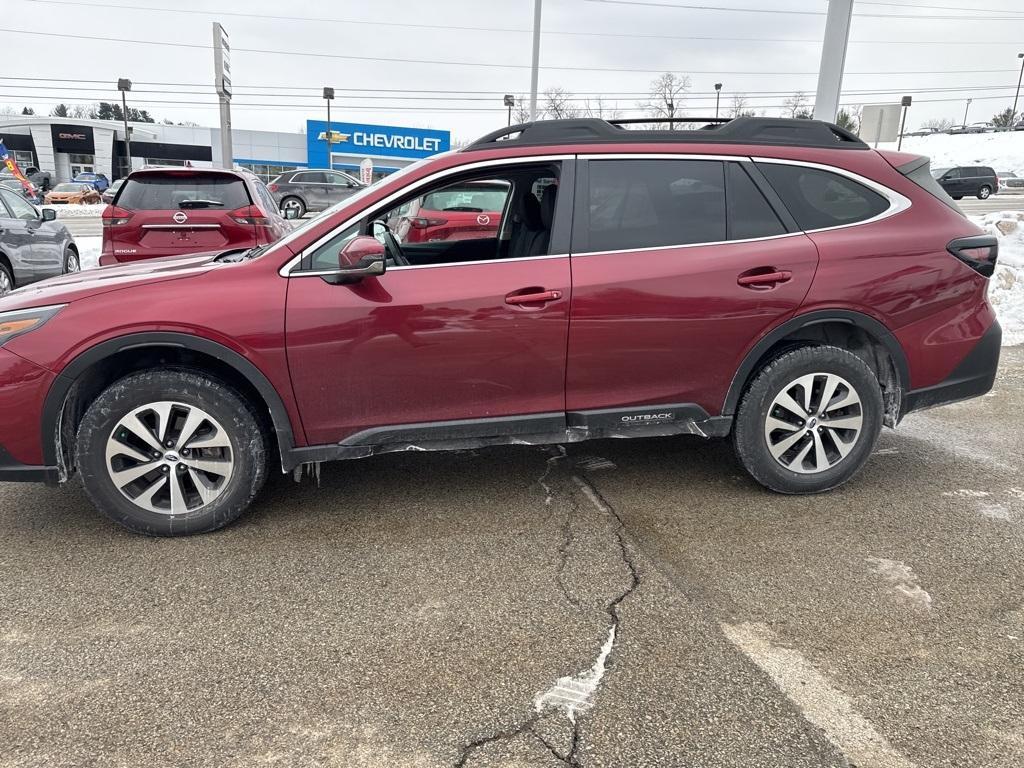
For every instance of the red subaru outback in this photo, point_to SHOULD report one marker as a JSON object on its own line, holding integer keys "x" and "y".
{"x": 776, "y": 281}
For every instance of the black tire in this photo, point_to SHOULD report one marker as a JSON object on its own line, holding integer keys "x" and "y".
{"x": 248, "y": 450}
{"x": 957, "y": 197}
{"x": 984, "y": 192}
{"x": 750, "y": 440}
{"x": 72, "y": 263}
{"x": 298, "y": 203}
{"x": 6, "y": 279}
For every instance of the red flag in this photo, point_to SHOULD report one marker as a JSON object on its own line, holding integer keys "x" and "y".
{"x": 12, "y": 167}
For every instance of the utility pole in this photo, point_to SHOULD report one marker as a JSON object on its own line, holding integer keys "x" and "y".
{"x": 222, "y": 81}
{"x": 966, "y": 110}
{"x": 1013, "y": 114}
{"x": 535, "y": 69}
{"x": 718, "y": 96}
{"x": 124, "y": 85}
{"x": 833, "y": 59}
{"x": 329, "y": 97}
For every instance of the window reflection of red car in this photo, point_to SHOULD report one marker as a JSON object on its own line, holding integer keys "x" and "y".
{"x": 464, "y": 211}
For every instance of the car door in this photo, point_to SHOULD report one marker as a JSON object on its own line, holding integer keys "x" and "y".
{"x": 669, "y": 291}
{"x": 951, "y": 182}
{"x": 37, "y": 246}
{"x": 338, "y": 187}
{"x": 470, "y": 349}
{"x": 313, "y": 188}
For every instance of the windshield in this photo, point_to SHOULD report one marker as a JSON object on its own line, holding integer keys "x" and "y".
{"x": 939, "y": 172}
{"x": 352, "y": 200}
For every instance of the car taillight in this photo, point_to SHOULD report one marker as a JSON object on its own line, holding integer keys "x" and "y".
{"x": 418, "y": 222}
{"x": 250, "y": 214}
{"x": 979, "y": 253}
{"x": 114, "y": 217}
{"x": 272, "y": 187}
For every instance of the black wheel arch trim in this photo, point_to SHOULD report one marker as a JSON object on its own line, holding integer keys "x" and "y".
{"x": 865, "y": 322}
{"x": 56, "y": 398}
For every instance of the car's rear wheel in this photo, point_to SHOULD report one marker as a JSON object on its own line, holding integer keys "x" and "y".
{"x": 293, "y": 204}
{"x": 171, "y": 453}
{"x": 71, "y": 261}
{"x": 809, "y": 420}
{"x": 6, "y": 280}
{"x": 984, "y": 192}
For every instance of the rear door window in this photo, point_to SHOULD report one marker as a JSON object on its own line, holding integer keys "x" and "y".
{"x": 310, "y": 177}
{"x": 654, "y": 203}
{"x": 750, "y": 214}
{"x": 152, "y": 192}
{"x": 819, "y": 199}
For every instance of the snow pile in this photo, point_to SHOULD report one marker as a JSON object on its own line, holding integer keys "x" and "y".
{"x": 89, "y": 251}
{"x": 1006, "y": 290}
{"x": 1002, "y": 151}
{"x": 91, "y": 211}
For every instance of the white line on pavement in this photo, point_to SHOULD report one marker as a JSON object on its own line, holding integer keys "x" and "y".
{"x": 826, "y": 707}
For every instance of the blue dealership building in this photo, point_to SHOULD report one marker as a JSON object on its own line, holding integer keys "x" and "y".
{"x": 67, "y": 146}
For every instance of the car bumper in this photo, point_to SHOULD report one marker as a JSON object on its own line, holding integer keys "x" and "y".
{"x": 13, "y": 471}
{"x": 973, "y": 376}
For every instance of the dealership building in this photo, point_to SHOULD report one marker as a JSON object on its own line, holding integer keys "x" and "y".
{"x": 65, "y": 146}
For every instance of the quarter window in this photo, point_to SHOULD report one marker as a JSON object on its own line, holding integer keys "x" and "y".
{"x": 750, "y": 214}
{"x": 654, "y": 203}
{"x": 819, "y": 199}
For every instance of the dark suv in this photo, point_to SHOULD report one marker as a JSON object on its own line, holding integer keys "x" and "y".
{"x": 776, "y": 281}
{"x": 978, "y": 180}
{"x": 297, "y": 192}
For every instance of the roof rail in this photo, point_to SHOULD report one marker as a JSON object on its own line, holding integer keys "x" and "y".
{"x": 773, "y": 131}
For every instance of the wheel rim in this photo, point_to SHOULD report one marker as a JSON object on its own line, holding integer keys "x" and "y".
{"x": 5, "y": 283}
{"x": 169, "y": 458}
{"x": 813, "y": 423}
{"x": 984, "y": 193}
{"x": 73, "y": 265}
{"x": 292, "y": 205}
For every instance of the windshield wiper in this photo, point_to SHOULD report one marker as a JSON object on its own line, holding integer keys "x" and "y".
{"x": 200, "y": 204}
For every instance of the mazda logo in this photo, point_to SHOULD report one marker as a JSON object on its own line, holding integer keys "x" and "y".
{"x": 180, "y": 217}
{"x": 483, "y": 219}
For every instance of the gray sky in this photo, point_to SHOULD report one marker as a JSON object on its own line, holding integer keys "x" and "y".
{"x": 626, "y": 36}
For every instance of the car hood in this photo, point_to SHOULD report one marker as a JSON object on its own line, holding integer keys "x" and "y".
{"x": 79, "y": 285}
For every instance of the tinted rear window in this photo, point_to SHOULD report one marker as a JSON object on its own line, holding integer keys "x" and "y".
{"x": 819, "y": 199}
{"x": 924, "y": 177}
{"x": 166, "y": 193}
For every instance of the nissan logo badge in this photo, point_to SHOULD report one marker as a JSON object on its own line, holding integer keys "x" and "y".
{"x": 180, "y": 217}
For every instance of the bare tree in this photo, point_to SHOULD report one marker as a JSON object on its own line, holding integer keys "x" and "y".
{"x": 82, "y": 111}
{"x": 667, "y": 97}
{"x": 738, "y": 106}
{"x": 597, "y": 108}
{"x": 521, "y": 110}
{"x": 941, "y": 124}
{"x": 796, "y": 105}
{"x": 6, "y": 110}
{"x": 558, "y": 104}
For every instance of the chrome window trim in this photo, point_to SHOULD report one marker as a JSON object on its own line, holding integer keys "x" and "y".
{"x": 438, "y": 266}
{"x": 689, "y": 245}
{"x": 285, "y": 270}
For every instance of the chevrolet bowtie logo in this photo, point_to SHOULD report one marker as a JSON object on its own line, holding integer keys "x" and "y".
{"x": 337, "y": 137}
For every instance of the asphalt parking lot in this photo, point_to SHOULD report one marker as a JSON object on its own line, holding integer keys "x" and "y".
{"x": 633, "y": 603}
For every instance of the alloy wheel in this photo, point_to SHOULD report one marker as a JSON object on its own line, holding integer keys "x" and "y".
{"x": 169, "y": 458}
{"x": 291, "y": 204}
{"x": 814, "y": 423}
{"x": 73, "y": 264}
{"x": 5, "y": 283}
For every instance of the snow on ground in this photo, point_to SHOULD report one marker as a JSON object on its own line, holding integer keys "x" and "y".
{"x": 93, "y": 211}
{"x": 1002, "y": 151}
{"x": 1006, "y": 290}
{"x": 89, "y": 251}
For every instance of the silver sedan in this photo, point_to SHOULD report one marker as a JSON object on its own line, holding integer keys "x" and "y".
{"x": 33, "y": 245}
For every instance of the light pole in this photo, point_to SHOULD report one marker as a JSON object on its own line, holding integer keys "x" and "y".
{"x": 510, "y": 101}
{"x": 905, "y": 102}
{"x": 329, "y": 97}
{"x": 124, "y": 85}
{"x": 718, "y": 96}
{"x": 966, "y": 109}
{"x": 1013, "y": 115}
{"x": 535, "y": 64}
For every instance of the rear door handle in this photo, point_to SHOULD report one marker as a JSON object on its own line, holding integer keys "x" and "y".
{"x": 765, "y": 279}
{"x": 540, "y": 297}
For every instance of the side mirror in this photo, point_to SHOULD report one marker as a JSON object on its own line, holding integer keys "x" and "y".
{"x": 49, "y": 214}
{"x": 360, "y": 257}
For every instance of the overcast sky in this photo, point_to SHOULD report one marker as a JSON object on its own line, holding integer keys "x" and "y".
{"x": 627, "y": 44}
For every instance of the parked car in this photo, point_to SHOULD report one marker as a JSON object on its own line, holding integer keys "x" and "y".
{"x": 40, "y": 179}
{"x": 109, "y": 193}
{"x": 72, "y": 193}
{"x": 33, "y": 246}
{"x": 772, "y": 280}
{"x": 1009, "y": 181}
{"x": 978, "y": 180}
{"x": 459, "y": 212}
{"x": 304, "y": 190}
{"x": 173, "y": 211}
{"x": 98, "y": 181}
{"x": 15, "y": 186}
{"x": 922, "y": 132}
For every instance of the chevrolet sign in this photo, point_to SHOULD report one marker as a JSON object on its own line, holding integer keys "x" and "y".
{"x": 337, "y": 137}
{"x": 378, "y": 141}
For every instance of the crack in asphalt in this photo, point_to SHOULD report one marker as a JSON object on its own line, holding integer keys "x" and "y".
{"x": 528, "y": 726}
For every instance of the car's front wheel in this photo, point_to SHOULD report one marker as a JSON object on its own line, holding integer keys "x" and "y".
{"x": 809, "y": 420}
{"x": 984, "y": 193}
{"x": 293, "y": 204}
{"x": 6, "y": 280}
{"x": 71, "y": 261}
{"x": 171, "y": 452}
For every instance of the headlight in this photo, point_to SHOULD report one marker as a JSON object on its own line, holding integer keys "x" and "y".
{"x": 21, "y": 321}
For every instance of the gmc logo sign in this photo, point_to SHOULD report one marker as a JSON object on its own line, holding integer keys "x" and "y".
{"x": 75, "y": 136}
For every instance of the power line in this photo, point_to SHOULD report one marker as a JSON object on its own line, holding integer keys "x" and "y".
{"x": 790, "y": 12}
{"x": 938, "y": 7}
{"x": 380, "y": 59}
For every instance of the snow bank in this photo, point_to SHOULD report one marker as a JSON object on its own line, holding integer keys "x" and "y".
{"x": 1006, "y": 291}
{"x": 93, "y": 211}
{"x": 89, "y": 251}
{"x": 1002, "y": 151}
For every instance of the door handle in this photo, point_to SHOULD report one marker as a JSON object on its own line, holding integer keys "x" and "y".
{"x": 765, "y": 279}
{"x": 540, "y": 297}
